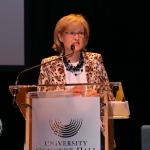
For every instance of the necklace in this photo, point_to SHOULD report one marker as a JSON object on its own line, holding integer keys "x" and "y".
{"x": 76, "y": 70}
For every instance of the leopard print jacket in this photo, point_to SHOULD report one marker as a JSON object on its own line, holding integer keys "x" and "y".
{"x": 53, "y": 73}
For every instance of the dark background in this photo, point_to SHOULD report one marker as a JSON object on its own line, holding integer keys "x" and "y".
{"x": 119, "y": 31}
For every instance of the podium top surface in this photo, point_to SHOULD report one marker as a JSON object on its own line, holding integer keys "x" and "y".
{"x": 24, "y": 89}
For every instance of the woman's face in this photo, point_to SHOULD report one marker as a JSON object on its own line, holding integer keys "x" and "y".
{"x": 75, "y": 37}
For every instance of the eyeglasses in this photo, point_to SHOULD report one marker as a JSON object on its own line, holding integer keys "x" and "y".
{"x": 73, "y": 34}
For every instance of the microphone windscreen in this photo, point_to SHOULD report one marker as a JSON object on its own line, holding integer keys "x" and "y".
{"x": 72, "y": 47}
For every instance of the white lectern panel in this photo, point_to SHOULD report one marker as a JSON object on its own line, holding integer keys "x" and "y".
{"x": 66, "y": 123}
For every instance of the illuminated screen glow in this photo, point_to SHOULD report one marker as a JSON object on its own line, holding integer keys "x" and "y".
{"x": 12, "y": 33}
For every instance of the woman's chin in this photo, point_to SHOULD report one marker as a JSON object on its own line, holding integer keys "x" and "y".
{"x": 76, "y": 51}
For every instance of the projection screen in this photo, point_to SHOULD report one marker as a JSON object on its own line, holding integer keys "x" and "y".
{"x": 12, "y": 47}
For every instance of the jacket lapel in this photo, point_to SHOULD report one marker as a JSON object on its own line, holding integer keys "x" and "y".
{"x": 88, "y": 68}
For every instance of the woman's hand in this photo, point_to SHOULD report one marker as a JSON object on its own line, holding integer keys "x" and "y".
{"x": 81, "y": 91}
{"x": 77, "y": 90}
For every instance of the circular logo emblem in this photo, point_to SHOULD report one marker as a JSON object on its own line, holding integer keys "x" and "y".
{"x": 66, "y": 131}
{"x": 1, "y": 127}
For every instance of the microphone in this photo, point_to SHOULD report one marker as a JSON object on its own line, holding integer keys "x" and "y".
{"x": 72, "y": 47}
{"x": 15, "y": 89}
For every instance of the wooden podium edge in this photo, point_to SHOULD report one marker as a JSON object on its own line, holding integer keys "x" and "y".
{"x": 109, "y": 124}
{"x": 28, "y": 124}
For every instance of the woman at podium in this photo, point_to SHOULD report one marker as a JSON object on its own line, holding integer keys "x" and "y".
{"x": 74, "y": 64}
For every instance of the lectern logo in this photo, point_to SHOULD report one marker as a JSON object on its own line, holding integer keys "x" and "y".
{"x": 66, "y": 131}
{"x": 1, "y": 127}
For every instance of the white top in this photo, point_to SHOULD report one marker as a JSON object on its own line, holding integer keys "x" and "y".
{"x": 71, "y": 78}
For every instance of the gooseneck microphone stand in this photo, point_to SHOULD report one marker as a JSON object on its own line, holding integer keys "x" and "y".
{"x": 16, "y": 88}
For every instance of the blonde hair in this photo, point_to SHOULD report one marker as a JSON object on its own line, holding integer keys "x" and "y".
{"x": 69, "y": 22}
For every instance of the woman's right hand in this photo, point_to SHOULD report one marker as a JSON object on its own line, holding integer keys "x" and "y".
{"x": 77, "y": 90}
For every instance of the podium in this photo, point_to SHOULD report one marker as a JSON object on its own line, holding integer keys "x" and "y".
{"x": 24, "y": 102}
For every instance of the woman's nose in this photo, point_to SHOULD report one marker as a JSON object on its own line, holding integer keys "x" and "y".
{"x": 76, "y": 36}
